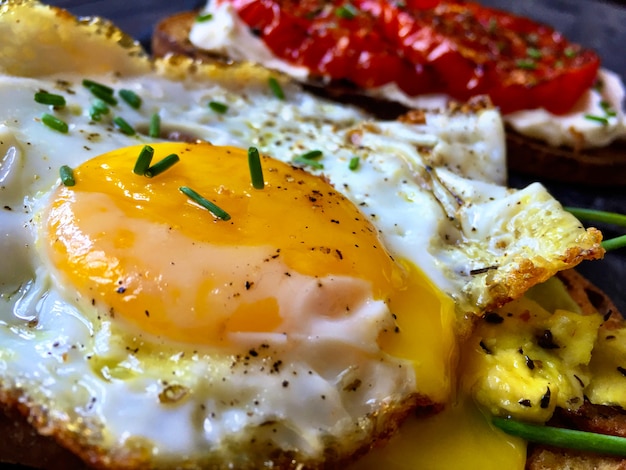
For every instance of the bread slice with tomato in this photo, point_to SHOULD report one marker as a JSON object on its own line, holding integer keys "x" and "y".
{"x": 564, "y": 113}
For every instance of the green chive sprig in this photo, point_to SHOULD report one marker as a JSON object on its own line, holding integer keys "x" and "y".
{"x": 526, "y": 64}
{"x": 608, "y": 113}
{"x": 155, "y": 125}
{"x": 256, "y": 172}
{"x": 347, "y": 11}
{"x": 311, "y": 155}
{"x": 143, "y": 160}
{"x": 162, "y": 165}
{"x": 67, "y": 176}
{"x": 354, "y": 163}
{"x": 570, "y": 52}
{"x": 104, "y": 92}
{"x": 218, "y": 107}
{"x": 203, "y": 202}
{"x": 310, "y": 159}
{"x": 131, "y": 98}
{"x": 614, "y": 243}
{"x": 95, "y": 115}
{"x": 123, "y": 126}
{"x": 276, "y": 88}
{"x": 203, "y": 18}
{"x": 593, "y": 215}
{"x": 98, "y": 108}
{"x": 92, "y": 84}
{"x": 601, "y": 119}
{"x": 564, "y": 438}
{"x": 52, "y": 99}
{"x": 55, "y": 123}
{"x": 533, "y": 53}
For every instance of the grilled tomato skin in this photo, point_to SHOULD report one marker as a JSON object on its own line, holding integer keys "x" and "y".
{"x": 427, "y": 46}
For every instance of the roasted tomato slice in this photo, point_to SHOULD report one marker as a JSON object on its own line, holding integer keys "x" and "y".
{"x": 425, "y": 46}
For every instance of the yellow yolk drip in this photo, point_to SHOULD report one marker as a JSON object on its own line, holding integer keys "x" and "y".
{"x": 425, "y": 335}
{"x": 458, "y": 438}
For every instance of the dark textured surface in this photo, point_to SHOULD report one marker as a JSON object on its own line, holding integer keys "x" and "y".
{"x": 600, "y": 25}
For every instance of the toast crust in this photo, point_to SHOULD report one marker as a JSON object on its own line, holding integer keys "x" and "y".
{"x": 594, "y": 167}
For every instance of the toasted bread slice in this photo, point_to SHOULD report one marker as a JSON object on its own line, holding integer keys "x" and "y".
{"x": 171, "y": 36}
{"x": 601, "y": 166}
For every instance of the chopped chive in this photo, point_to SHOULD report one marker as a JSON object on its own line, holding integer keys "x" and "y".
{"x": 155, "y": 125}
{"x": 604, "y": 217}
{"x": 601, "y": 119}
{"x": 202, "y": 18}
{"x": 52, "y": 99}
{"x": 354, "y": 163}
{"x": 123, "y": 125}
{"x": 143, "y": 160}
{"x": 565, "y": 438}
{"x": 105, "y": 93}
{"x": 100, "y": 106}
{"x": 256, "y": 172}
{"x": 91, "y": 84}
{"x": 218, "y": 107}
{"x": 67, "y": 176}
{"x": 493, "y": 26}
{"x": 533, "y": 53}
{"x": 311, "y": 155}
{"x": 132, "y": 99}
{"x": 614, "y": 243}
{"x": 526, "y": 64}
{"x": 55, "y": 123}
{"x": 309, "y": 162}
{"x": 570, "y": 52}
{"x": 106, "y": 97}
{"x": 606, "y": 106}
{"x": 347, "y": 11}
{"x": 276, "y": 88}
{"x": 162, "y": 165}
{"x": 97, "y": 109}
{"x": 598, "y": 216}
{"x": 309, "y": 158}
{"x": 202, "y": 201}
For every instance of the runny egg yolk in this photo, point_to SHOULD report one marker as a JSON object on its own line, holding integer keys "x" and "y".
{"x": 148, "y": 254}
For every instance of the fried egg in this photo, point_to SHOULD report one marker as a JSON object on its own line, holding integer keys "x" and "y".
{"x": 293, "y": 323}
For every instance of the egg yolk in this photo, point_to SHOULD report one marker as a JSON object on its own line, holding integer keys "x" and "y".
{"x": 161, "y": 261}
{"x": 151, "y": 255}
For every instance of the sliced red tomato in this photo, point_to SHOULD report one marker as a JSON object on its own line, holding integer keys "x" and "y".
{"x": 425, "y": 46}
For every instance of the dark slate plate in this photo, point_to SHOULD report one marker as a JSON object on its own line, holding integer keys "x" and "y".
{"x": 600, "y": 25}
